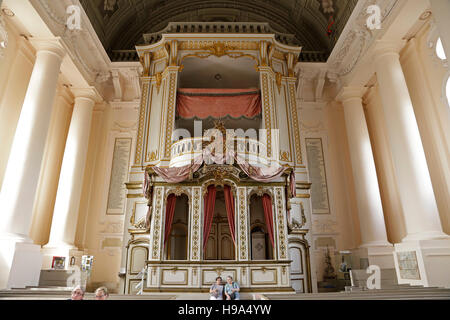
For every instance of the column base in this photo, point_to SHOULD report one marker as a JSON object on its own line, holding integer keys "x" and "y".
{"x": 380, "y": 255}
{"x": 71, "y": 254}
{"x": 20, "y": 264}
{"x": 423, "y": 262}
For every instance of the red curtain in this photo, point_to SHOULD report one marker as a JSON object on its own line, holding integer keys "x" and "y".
{"x": 218, "y": 103}
{"x": 268, "y": 215}
{"x": 229, "y": 204}
{"x": 210, "y": 201}
{"x": 170, "y": 210}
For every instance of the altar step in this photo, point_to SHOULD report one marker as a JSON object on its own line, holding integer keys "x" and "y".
{"x": 64, "y": 293}
{"x": 388, "y": 278}
{"x": 395, "y": 293}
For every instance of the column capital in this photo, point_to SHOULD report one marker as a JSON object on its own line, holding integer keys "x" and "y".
{"x": 90, "y": 93}
{"x": 63, "y": 92}
{"x": 349, "y": 93}
{"x": 383, "y": 47}
{"x": 50, "y": 45}
{"x": 370, "y": 94}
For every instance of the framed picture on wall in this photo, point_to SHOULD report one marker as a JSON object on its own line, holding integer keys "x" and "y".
{"x": 58, "y": 263}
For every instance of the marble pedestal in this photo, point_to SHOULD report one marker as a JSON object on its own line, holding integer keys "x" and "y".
{"x": 380, "y": 256}
{"x": 20, "y": 264}
{"x": 423, "y": 262}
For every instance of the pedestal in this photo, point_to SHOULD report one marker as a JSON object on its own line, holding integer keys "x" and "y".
{"x": 20, "y": 264}
{"x": 423, "y": 262}
{"x": 380, "y": 256}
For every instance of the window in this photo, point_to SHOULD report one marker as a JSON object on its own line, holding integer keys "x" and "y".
{"x": 440, "y": 50}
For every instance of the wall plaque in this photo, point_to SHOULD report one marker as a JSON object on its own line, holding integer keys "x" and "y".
{"x": 316, "y": 167}
{"x": 407, "y": 263}
{"x": 119, "y": 174}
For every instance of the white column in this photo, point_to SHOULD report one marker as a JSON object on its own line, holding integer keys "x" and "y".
{"x": 22, "y": 172}
{"x": 65, "y": 214}
{"x": 370, "y": 210}
{"x": 441, "y": 15}
{"x": 51, "y": 167}
{"x": 426, "y": 247}
{"x": 416, "y": 192}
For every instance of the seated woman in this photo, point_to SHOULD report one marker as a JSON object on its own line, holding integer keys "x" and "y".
{"x": 232, "y": 289}
{"x": 216, "y": 290}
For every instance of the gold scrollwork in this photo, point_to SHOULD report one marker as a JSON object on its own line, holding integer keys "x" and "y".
{"x": 196, "y": 226}
{"x": 284, "y": 156}
{"x": 156, "y": 224}
{"x": 242, "y": 224}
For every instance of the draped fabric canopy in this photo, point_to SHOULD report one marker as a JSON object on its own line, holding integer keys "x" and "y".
{"x": 260, "y": 174}
{"x": 218, "y": 103}
{"x": 179, "y": 174}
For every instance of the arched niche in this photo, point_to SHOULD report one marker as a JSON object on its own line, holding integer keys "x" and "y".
{"x": 220, "y": 244}
{"x": 177, "y": 247}
{"x": 260, "y": 246}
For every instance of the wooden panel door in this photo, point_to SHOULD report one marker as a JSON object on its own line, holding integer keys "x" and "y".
{"x": 211, "y": 246}
{"x": 225, "y": 245}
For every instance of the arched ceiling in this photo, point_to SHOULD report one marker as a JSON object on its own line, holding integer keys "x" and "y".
{"x": 120, "y": 24}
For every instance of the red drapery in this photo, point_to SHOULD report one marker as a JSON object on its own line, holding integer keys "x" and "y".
{"x": 267, "y": 205}
{"x": 218, "y": 103}
{"x": 229, "y": 204}
{"x": 170, "y": 210}
{"x": 210, "y": 201}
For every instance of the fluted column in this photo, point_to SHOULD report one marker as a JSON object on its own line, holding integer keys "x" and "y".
{"x": 65, "y": 214}
{"x": 20, "y": 260}
{"x": 441, "y": 15}
{"x": 416, "y": 193}
{"x": 370, "y": 210}
{"x": 24, "y": 164}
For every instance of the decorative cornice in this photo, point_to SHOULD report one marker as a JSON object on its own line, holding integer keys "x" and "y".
{"x": 51, "y": 45}
{"x": 82, "y": 45}
{"x": 90, "y": 93}
{"x": 358, "y": 36}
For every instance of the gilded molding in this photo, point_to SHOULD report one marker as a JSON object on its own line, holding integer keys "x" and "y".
{"x": 170, "y": 113}
{"x": 267, "y": 111}
{"x": 140, "y": 134}
{"x": 196, "y": 231}
{"x": 293, "y": 104}
{"x": 243, "y": 229}
{"x": 156, "y": 224}
{"x": 135, "y": 195}
{"x": 282, "y": 239}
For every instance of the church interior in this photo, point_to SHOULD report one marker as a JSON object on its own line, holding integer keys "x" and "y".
{"x": 301, "y": 147}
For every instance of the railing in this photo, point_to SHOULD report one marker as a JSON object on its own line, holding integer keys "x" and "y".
{"x": 221, "y": 27}
{"x": 124, "y": 55}
{"x": 313, "y": 56}
{"x": 185, "y": 150}
{"x": 131, "y": 55}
